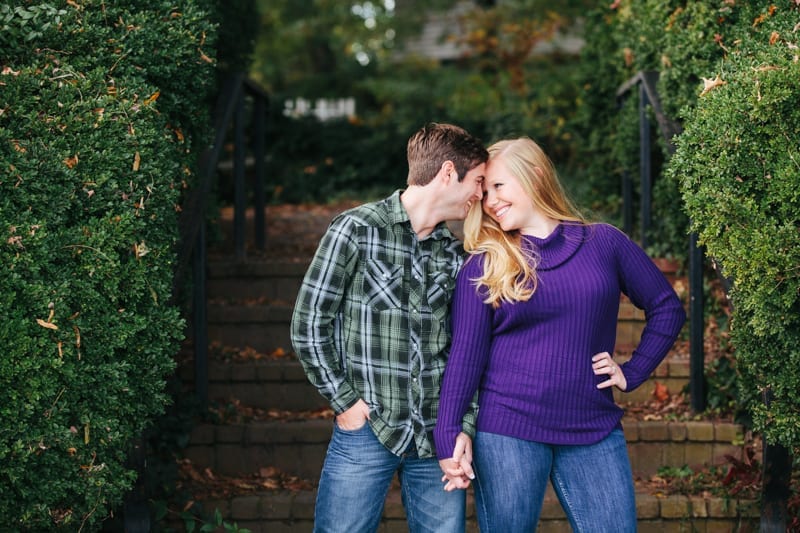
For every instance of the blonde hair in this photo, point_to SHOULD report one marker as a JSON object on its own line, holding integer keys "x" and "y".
{"x": 509, "y": 271}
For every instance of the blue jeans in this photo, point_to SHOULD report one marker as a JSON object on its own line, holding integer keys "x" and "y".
{"x": 594, "y": 483}
{"x": 355, "y": 479}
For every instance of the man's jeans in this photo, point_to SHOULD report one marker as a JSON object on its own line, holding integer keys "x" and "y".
{"x": 594, "y": 484}
{"x": 355, "y": 479}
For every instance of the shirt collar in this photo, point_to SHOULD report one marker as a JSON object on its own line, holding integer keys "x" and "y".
{"x": 399, "y": 215}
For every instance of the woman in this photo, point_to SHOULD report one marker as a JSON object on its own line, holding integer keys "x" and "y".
{"x": 534, "y": 323}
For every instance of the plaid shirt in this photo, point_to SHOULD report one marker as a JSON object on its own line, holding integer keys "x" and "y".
{"x": 372, "y": 320}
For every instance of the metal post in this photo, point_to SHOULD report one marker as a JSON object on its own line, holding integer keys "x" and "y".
{"x": 627, "y": 203}
{"x": 239, "y": 195}
{"x": 644, "y": 162}
{"x": 259, "y": 139}
{"x": 200, "y": 318}
{"x": 696, "y": 321}
{"x": 776, "y": 478}
{"x": 136, "y": 513}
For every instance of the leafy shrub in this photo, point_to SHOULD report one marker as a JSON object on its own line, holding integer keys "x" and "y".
{"x": 101, "y": 111}
{"x": 683, "y": 41}
{"x": 738, "y": 166}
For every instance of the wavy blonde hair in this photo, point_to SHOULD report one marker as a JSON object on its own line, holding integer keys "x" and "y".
{"x": 509, "y": 272}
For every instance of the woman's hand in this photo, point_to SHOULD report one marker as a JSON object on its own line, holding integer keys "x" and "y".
{"x": 602, "y": 363}
{"x": 458, "y": 469}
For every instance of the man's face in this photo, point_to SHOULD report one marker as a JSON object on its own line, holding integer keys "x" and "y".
{"x": 468, "y": 191}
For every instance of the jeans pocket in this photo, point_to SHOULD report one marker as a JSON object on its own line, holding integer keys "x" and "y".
{"x": 355, "y": 431}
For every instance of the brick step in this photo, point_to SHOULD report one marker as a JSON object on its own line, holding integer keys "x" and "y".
{"x": 241, "y": 322}
{"x": 281, "y": 383}
{"x": 267, "y": 278}
{"x": 263, "y": 327}
{"x": 236, "y": 319}
{"x": 298, "y": 447}
{"x": 293, "y": 512}
{"x": 268, "y": 384}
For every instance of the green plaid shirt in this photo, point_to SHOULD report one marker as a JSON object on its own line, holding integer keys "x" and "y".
{"x": 372, "y": 320}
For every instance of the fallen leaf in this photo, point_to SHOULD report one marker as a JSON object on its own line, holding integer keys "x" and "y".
{"x": 710, "y": 84}
{"x": 137, "y": 159}
{"x": 278, "y": 352}
{"x": 48, "y": 325}
{"x": 660, "y": 392}
{"x": 152, "y": 98}
{"x": 71, "y": 161}
{"x": 268, "y": 471}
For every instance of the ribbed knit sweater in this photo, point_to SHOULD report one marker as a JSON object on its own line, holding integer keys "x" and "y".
{"x": 531, "y": 362}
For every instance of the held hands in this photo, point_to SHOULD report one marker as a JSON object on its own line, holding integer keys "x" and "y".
{"x": 602, "y": 363}
{"x": 355, "y": 417}
{"x": 458, "y": 469}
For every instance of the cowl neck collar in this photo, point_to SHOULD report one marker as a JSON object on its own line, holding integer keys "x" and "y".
{"x": 557, "y": 248}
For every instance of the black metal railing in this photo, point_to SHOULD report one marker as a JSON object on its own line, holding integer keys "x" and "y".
{"x": 230, "y": 119}
{"x": 646, "y": 82}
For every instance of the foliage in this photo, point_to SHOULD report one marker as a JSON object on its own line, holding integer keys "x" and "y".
{"x": 237, "y": 25}
{"x": 738, "y": 167}
{"x": 495, "y": 88}
{"x": 682, "y": 40}
{"x": 99, "y": 127}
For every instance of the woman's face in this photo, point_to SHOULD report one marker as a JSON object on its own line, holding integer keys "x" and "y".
{"x": 504, "y": 199}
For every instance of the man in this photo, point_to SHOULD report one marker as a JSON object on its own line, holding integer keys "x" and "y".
{"x": 372, "y": 332}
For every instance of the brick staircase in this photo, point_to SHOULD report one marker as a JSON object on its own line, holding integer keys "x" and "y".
{"x": 250, "y": 306}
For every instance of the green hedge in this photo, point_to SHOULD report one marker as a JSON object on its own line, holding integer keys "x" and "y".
{"x": 102, "y": 111}
{"x": 676, "y": 38}
{"x": 738, "y": 165}
{"x": 736, "y": 169}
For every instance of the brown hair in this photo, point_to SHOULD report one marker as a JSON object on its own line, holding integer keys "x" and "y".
{"x": 435, "y": 143}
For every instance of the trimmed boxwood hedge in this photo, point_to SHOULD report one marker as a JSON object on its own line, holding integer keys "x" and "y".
{"x": 729, "y": 74}
{"x": 102, "y": 112}
{"x": 738, "y": 166}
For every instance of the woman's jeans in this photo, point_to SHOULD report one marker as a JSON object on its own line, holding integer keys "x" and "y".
{"x": 594, "y": 484}
{"x": 355, "y": 479}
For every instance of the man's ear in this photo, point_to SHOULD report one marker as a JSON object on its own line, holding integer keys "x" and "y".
{"x": 448, "y": 171}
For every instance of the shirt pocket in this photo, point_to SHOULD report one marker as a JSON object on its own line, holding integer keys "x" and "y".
{"x": 440, "y": 292}
{"x": 382, "y": 285}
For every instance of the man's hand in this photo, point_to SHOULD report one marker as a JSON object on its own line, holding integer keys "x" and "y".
{"x": 355, "y": 417}
{"x": 458, "y": 469}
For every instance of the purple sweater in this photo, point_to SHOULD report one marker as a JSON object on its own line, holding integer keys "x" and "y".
{"x": 531, "y": 361}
